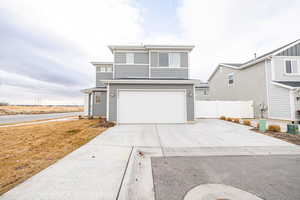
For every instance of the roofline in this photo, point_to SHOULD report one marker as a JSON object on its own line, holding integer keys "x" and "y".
{"x": 140, "y": 81}
{"x": 285, "y": 86}
{"x": 287, "y": 47}
{"x": 147, "y": 47}
{"x": 89, "y": 90}
{"x": 102, "y": 63}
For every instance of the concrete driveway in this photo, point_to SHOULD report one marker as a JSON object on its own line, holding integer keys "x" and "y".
{"x": 117, "y": 164}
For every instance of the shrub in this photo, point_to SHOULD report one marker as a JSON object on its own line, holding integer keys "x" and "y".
{"x": 229, "y": 119}
{"x": 223, "y": 118}
{"x": 236, "y": 120}
{"x": 274, "y": 128}
{"x": 80, "y": 117}
{"x": 247, "y": 122}
{"x": 257, "y": 125}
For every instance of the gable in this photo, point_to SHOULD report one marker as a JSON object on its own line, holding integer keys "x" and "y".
{"x": 292, "y": 51}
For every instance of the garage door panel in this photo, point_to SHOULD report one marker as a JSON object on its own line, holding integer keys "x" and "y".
{"x": 151, "y": 107}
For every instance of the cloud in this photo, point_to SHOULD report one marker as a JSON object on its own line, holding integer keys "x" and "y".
{"x": 233, "y": 30}
{"x": 46, "y": 46}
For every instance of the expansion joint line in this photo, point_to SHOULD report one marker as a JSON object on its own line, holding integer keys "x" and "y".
{"x": 125, "y": 171}
{"x": 159, "y": 141}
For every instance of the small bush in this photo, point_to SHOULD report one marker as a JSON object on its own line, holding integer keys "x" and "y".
{"x": 223, "y": 118}
{"x": 247, "y": 122}
{"x": 80, "y": 117}
{"x": 274, "y": 128}
{"x": 236, "y": 120}
{"x": 257, "y": 126}
{"x": 229, "y": 119}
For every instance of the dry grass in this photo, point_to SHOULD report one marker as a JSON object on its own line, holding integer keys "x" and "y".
{"x": 274, "y": 128}
{"x": 229, "y": 119}
{"x": 222, "y": 118}
{"x": 247, "y": 122}
{"x": 236, "y": 120}
{"x": 14, "y": 110}
{"x": 26, "y": 150}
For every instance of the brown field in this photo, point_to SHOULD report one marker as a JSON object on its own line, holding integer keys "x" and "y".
{"x": 14, "y": 110}
{"x": 26, "y": 150}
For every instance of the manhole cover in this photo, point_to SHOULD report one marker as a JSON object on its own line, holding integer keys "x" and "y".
{"x": 218, "y": 192}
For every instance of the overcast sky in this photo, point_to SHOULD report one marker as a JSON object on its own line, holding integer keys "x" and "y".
{"x": 46, "y": 45}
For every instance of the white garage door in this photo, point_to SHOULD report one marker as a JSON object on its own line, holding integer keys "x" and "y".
{"x": 151, "y": 106}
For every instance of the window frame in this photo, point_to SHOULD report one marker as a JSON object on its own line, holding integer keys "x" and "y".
{"x": 292, "y": 73}
{"x": 130, "y": 55}
{"x": 169, "y": 59}
{"x": 228, "y": 80}
{"x": 96, "y": 99}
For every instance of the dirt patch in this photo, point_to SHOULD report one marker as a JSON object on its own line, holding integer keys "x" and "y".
{"x": 26, "y": 150}
{"x": 14, "y": 110}
{"x": 294, "y": 139}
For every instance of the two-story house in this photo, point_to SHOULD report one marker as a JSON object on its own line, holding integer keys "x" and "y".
{"x": 144, "y": 84}
{"x": 272, "y": 81}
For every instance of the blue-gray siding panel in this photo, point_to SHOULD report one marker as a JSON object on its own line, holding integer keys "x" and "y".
{"x": 131, "y": 71}
{"x": 115, "y": 87}
{"x": 141, "y": 58}
{"x": 100, "y": 108}
{"x": 176, "y": 73}
{"x": 184, "y": 59}
{"x": 102, "y": 76}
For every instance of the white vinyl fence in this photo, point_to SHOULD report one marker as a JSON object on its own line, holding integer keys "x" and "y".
{"x": 215, "y": 109}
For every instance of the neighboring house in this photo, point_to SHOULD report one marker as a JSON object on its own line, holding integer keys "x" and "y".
{"x": 202, "y": 91}
{"x": 272, "y": 81}
{"x": 144, "y": 84}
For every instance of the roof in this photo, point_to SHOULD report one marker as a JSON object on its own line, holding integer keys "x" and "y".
{"x": 102, "y": 63}
{"x": 150, "y": 47}
{"x": 89, "y": 90}
{"x": 294, "y": 84}
{"x": 256, "y": 60}
{"x": 201, "y": 85}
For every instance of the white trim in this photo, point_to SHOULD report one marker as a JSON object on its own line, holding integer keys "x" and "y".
{"x": 107, "y": 102}
{"x": 267, "y": 85}
{"x": 287, "y": 47}
{"x": 114, "y": 71}
{"x": 194, "y": 102}
{"x": 272, "y": 69}
{"x": 105, "y": 72}
{"x": 171, "y": 90}
{"x": 130, "y": 51}
{"x": 292, "y": 105}
{"x": 169, "y": 51}
{"x": 128, "y": 64}
{"x": 169, "y": 67}
{"x": 102, "y": 63}
{"x": 280, "y": 118}
{"x": 153, "y": 81}
{"x": 188, "y": 64}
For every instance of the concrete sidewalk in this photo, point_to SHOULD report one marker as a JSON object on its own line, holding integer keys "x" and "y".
{"x": 117, "y": 164}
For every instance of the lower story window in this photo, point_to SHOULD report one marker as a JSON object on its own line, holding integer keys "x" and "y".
{"x": 230, "y": 79}
{"x": 97, "y": 98}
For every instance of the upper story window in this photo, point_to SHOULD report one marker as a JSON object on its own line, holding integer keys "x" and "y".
{"x": 129, "y": 58}
{"x": 104, "y": 68}
{"x": 169, "y": 60}
{"x": 291, "y": 67}
{"x": 230, "y": 79}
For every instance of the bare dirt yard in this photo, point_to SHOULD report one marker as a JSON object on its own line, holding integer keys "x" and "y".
{"x": 28, "y": 149}
{"x": 14, "y": 110}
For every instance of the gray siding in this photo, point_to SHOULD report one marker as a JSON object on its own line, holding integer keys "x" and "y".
{"x": 279, "y": 98}
{"x": 154, "y": 59}
{"x": 184, "y": 59}
{"x": 113, "y": 99}
{"x": 120, "y": 58}
{"x": 278, "y": 67}
{"x": 141, "y": 58}
{"x": 249, "y": 84}
{"x": 293, "y": 51}
{"x": 99, "y": 109}
{"x": 131, "y": 71}
{"x": 176, "y": 73}
{"x": 200, "y": 96}
{"x": 103, "y": 76}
